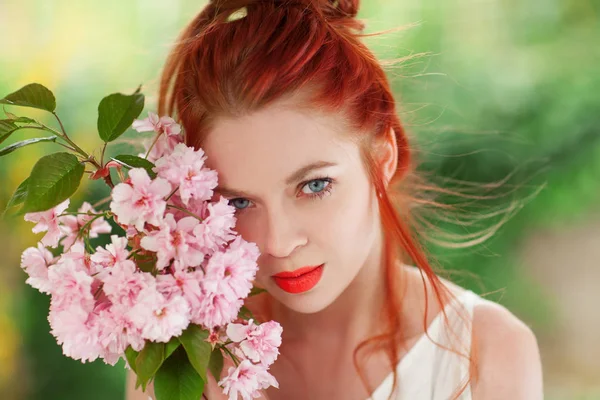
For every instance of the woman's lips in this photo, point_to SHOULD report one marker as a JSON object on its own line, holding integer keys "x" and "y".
{"x": 300, "y": 280}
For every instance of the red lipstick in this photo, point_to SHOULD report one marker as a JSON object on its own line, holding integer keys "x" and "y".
{"x": 300, "y": 280}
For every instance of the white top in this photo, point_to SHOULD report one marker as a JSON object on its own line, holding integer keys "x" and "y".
{"x": 428, "y": 371}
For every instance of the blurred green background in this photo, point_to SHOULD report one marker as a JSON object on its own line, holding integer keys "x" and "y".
{"x": 489, "y": 90}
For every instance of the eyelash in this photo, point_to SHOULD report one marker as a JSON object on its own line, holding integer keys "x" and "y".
{"x": 313, "y": 196}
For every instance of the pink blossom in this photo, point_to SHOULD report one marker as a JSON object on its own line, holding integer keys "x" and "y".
{"x": 35, "y": 262}
{"x": 230, "y": 273}
{"x": 184, "y": 168}
{"x": 70, "y": 284}
{"x": 168, "y": 131}
{"x": 159, "y": 318}
{"x": 116, "y": 333}
{"x": 115, "y": 252}
{"x": 83, "y": 259}
{"x": 184, "y": 284}
{"x": 123, "y": 284}
{"x": 140, "y": 200}
{"x": 216, "y": 230}
{"x": 246, "y": 380}
{"x": 71, "y": 328}
{"x": 174, "y": 240}
{"x": 47, "y": 221}
{"x": 216, "y": 309}
{"x": 71, "y": 225}
{"x": 259, "y": 343}
{"x": 196, "y": 207}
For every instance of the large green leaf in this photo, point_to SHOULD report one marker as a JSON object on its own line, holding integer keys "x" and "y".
{"x": 173, "y": 345}
{"x": 149, "y": 361}
{"x": 54, "y": 178}
{"x": 130, "y": 161}
{"x": 177, "y": 379}
{"x": 117, "y": 112}
{"x": 22, "y": 143}
{"x": 18, "y": 196}
{"x": 131, "y": 356}
{"x": 32, "y": 95}
{"x": 197, "y": 348}
{"x": 216, "y": 363}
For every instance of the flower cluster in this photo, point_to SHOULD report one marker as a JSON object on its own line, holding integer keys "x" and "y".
{"x": 179, "y": 263}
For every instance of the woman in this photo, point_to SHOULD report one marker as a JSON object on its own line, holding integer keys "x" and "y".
{"x": 297, "y": 117}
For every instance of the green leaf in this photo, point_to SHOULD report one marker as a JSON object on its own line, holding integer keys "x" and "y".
{"x": 173, "y": 345}
{"x": 149, "y": 361}
{"x": 131, "y": 355}
{"x": 32, "y": 95}
{"x": 197, "y": 348}
{"x": 27, "y": 120}
{"x": 54, "y": 178}
{"x": 18, "y": 196}
{"x": 7, "y": 127}
{"x": 216, "y": 363}
{"x": 117, "y": 112}
{"x": 245, "y": 313}
{"x": 14, "y": 146}
{"x": 130, "y": 161}
{"x": 177, "y": 379}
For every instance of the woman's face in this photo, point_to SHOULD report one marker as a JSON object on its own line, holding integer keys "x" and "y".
{"x": 302, "y": 195}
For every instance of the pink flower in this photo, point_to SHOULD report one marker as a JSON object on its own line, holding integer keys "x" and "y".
{"x": 47, "y": 221}
{"x": 216, "y": 309}
{"x": 141, "y": 200}
{"x": 72, "y": 224}
{"x": 168, "y": 131}
{"x": 70, "y": 284}
{"x": 216, "y": 230}
{"x": 174, "y": 240}
{"x": 184, "y": 167}
{"x": 116, "y": 333}
{"x": 183, "y": 284}
{"x": 259, "y": 343}
{"x": 123, "y": 284}
{"x": 230, "y": 273}
{"x": 78, "y": 254}
{"x": 71, "y": 328}
{"x": 196, "y": 207}
{"x": 159, "y": 318}
{"x": 114, "y": 253}
{"x": 246, "y": 380}
{"x": 35, "y": 262}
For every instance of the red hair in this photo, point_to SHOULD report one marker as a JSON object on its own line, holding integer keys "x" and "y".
{"x": 238, "y": 56}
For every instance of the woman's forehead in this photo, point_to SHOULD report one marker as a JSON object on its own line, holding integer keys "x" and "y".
{"x": 274, "y": 142}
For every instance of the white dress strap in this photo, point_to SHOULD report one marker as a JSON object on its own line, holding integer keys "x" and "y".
{"x": 433, "y": 371}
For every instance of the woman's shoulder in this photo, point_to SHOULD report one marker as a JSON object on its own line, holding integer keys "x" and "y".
{"x": 507, "y": 356}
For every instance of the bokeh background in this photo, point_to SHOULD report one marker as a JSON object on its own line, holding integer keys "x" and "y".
{"x": 492, "y": 91}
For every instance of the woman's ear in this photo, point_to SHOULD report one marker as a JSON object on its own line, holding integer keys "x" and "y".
{"x": 387, "y": 155}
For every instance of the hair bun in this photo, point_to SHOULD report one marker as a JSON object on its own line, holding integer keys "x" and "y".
{"x": 331, "y": 9}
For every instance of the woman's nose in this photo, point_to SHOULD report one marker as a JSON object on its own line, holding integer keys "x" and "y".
{"x": 283, "y": 234}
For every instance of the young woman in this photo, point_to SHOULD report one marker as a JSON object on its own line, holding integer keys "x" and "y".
{"x": 297, "y": 117}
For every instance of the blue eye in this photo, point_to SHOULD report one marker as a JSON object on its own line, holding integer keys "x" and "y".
{"x": 316, "y": 186}
{"x": 239, "y": 203}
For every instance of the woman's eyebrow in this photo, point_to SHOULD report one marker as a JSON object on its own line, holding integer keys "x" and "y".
{"x": 296, "y": 176}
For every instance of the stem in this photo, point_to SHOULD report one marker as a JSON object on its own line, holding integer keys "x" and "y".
{"x": 102, "y": 155}
{"x": 100, "y": 202}
{"x": 60, "y": 123}
{"x": 234, "y": 358}
{"x": 152, "y": 145}
{"x": 185, "y": 211}
{"x": 172, "y": 193}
